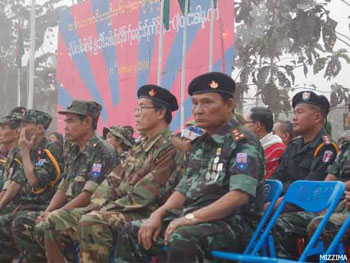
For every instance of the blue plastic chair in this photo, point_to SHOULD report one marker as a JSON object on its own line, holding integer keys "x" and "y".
{"x": 311, "y": 196}
{"x": 336, "y": 247}
{"x": 272, "y": 191}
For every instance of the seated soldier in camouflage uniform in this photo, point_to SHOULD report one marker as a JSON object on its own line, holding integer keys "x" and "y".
{"x": 121, "y": 138}
{"x": 141, "y": 184}
{"x": 9, "y": 135}
{"x": 88, "y": 162}
{"x": 35, "y": 181}
{"x": 220, "y": 198}
{"x": 305, "y": 158}
{"x": 338, "y": 171}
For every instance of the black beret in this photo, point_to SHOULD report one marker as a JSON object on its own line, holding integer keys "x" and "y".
{"x": 214, "y": 82}
{"x": 159, "y": 95}
{"x": 310, "y": 97}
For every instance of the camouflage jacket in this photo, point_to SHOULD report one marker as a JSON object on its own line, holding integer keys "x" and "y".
{"x": 12, "y": 166}
{"x": 341, "y": 166}
{"x": 85, "y": 170}
{"x": 229, "y": 160}
{"x": 47, "y": 159}
{"x": 105, "y": 190}
{"x": 306, "y": 161}
{"x": 148, "y": 176}
{"x": 2, "y": 169}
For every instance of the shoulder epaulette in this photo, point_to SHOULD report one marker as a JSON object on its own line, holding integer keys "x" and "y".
{"x": 237, "y": 135}
{"x": 326, "y": 140}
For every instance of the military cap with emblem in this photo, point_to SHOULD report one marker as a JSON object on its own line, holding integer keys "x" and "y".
{"x": 83, "y": 107}
{"x": 310, "y": 97}
{"x": 121, "y": 132}
{"x": 159, "y": 95}
{"x": 37, "y": 117}
{"x": 15, "y": 115}
{"x": 213, "y": 82}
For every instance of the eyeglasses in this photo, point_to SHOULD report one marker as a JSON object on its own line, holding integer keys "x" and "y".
{"x": 246, "y": 122}
{"x": 139, "y": 109}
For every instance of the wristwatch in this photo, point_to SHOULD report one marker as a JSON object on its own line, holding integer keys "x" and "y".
{"x": 192, "y": 218}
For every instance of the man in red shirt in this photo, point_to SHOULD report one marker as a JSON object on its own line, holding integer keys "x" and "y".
{"x": 260, "y": 121}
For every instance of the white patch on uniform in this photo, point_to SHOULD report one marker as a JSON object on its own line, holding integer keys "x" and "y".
{"x": 96, "y": 170}
{"x": 242, "y": 161}
{"x": 327, "y": 156}
{"x": 40, "y": 163}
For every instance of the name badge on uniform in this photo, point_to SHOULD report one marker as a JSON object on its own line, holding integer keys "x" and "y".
{"x": 327, "y": 156}
{"x": 242, "y": 161}
{"x": 96, "y": 170}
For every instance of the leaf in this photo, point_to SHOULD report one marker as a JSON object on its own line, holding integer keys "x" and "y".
{"x": 328, "y": 34}
{"x": 319, "y": 65}
{"x": 283, "y": 80}
{"x": 305, "y": 69}
{"x": 333, "y": 68}
{"x": 262, "y": 76}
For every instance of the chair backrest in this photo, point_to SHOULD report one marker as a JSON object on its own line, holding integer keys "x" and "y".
{"x": 312, "y": 196}
{"x": 272, "y": 191}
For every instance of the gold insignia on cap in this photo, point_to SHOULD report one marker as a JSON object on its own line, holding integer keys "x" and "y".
{"x": 152, "y": 92}
{"x": 213, "y": 84}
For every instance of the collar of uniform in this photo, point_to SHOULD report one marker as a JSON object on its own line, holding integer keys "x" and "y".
{"x": 149, "y": 143}
{"x": 91, "y": 144}
{"x": 316, "y": 141}
{"x": 41, "y": 144}
{"x": 220, "y": 135}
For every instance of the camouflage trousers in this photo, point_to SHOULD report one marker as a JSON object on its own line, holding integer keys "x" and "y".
{"x": 336, "y": 220}
{"x": 187, "y": 243}
{"x": 94, "y": 231}
{"x": 98, "y": 232}
{"x": 29, "y": 236}
{"x": 288, "y": 228}
{"x": 8, "y": 249}
{"x": 61, "y": 227}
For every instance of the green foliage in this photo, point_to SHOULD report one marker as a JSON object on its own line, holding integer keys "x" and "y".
{"x": 47, "y": 18}
{"x": 275, "y": 37}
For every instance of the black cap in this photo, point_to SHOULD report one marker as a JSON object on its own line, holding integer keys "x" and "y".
{"x": 310, "y": 97}
{"x": 159, "y": 95}
{"x": 213, "y": 82}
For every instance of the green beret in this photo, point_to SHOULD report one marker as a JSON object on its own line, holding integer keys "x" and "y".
{"x": 159, "y": 95}
{"x": 37, "y": 117}
{"x": 213, "y": 82}
{"x": 84, "y": 107}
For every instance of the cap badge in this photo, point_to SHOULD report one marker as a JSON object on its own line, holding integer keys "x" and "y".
{"x": 152, "y": 92}
{"x": 214, "y": 84}
{"x": 306, "y": 95}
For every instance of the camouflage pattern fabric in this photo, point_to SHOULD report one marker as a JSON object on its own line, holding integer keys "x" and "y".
{"x": 29, "y": 236}
{"x": 84, "y": 107}
{"x": 83, "y": 171}
{"x": 37, "y": 117}
{"x": 230, "y": 160}
{"x": 336, "y": 220}
{"x": 12, "y": 166}
{"x": 288, "y": 228}
{"x": 29, "y": 198}
{"x": 137, "y": 188}
{"x": 299, "y": 162}
{"x": 48, "y": 174}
